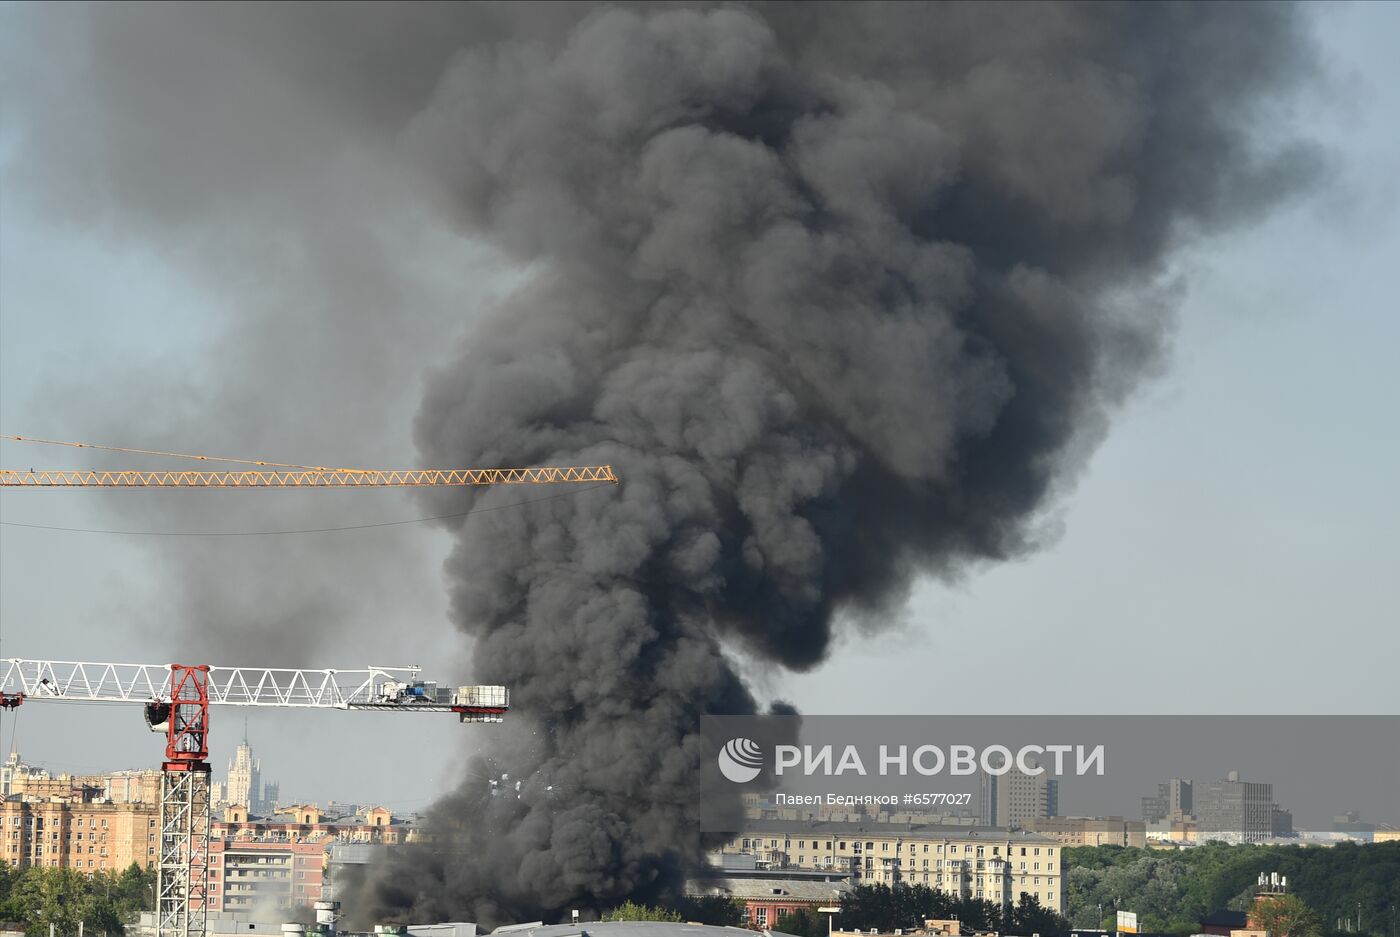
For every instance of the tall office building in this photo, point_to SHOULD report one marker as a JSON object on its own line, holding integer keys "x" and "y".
{"x": 1015, "y": 798}
{"x": 1173, "y": 801}
{"x": 1234, "y": 810}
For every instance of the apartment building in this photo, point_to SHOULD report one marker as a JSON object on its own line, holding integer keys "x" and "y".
{"x": 244, "y": 874}
{"x": 970, "y": 862}
{"x": 27, "y": 782}
{"x": 1091, "y": 831}
{"x": 309, "y": 823}
{"x": 76, "y": 835}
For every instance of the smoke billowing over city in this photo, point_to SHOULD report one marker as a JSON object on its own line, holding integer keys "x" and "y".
{"x": 845, "y": 293}
{"x": 843, "y": 298}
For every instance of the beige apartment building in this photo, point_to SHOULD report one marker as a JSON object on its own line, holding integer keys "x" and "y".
{"x": 76, "y": 835}
{"x": 307, "y": 823}
{"x": 26, "y": 782}
{"x": 969, "y": 862}
{"x": 1091, "y": 831}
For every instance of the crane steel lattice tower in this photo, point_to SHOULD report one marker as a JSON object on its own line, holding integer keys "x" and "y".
{"x": 177, "y": 698}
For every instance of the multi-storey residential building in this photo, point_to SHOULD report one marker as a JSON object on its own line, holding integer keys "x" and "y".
{"x": 132, "y": 787}
{"x": 973, "y": 862}
{"x": 77, "y": 835}
{"x": 1013, "y": 799}
{"x": 244, "y": 874}
{"x": 26, "y": 782}
{"x": 308, "y": 823}
{"x": 1091, "y": 831}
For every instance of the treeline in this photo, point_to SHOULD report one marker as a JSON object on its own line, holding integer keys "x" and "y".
{"x": 716, "y": 910}
{"x": 105, "y": 902}
{"x": 879, "y": 906}
{"x": 888, "y": 907}
{"x": 1344, "y": 889}
{"x": 1172, "y": 891}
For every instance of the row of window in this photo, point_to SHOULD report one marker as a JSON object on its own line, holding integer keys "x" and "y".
{"x": 885, "y": 846}
{"x": 77, "y": 864}
{"x": 938, "y": 880}
{"x": 95, "y": 837}
{"x": 39, "y": 848}
{"x": 57, "y": 821}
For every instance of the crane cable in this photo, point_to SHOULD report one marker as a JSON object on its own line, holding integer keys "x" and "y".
{"x": 182, "y": 455}
{"x": 307, "y": 530}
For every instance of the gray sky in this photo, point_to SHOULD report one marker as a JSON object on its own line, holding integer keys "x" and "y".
{"x": 1229, "y": 548}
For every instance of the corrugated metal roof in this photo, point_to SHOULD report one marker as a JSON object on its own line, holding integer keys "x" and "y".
{"x": 634, "y": 929}
{"x": 452, "y": 929}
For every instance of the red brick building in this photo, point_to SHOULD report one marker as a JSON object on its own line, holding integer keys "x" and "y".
{"x": 767, "y": 898}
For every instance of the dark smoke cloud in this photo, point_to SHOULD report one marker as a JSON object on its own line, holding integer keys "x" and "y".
{"x": 844, "y": 291}
{"x": 251, "y": 149}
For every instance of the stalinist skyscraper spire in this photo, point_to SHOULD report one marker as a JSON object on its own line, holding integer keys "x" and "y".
{"x": 245, "y": 784}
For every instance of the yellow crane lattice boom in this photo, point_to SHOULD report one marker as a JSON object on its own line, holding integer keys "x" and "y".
{"x": 304, "y": 478}
{"x": 283, "y": 474}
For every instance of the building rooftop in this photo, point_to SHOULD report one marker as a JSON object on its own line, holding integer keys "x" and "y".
{"x": 631, "y": 929}
{"x": 838, "y": 828}
{"x": 753, "y": 889}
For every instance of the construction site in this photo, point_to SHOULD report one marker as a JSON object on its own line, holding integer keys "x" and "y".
{"x": 175, "y": 699}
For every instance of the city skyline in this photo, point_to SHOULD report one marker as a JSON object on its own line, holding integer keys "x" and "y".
{"x": 986, "y": 417}
{"x": 1259, "y": 305}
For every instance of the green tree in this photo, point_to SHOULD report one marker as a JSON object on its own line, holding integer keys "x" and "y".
{"x": 630, "y": 911}
{"x": 1172, "y": 891}
{"x": 887, "y": 908}
{"x": 1286, "y": 916}
{"x": 804, "y": 922}
{"x": 47, "y": 896}
{"x": 1027, "y": 916}
{"x": 715, "y": 910}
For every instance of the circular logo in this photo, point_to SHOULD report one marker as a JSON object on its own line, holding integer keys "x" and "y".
{"x": 740, "y": 760}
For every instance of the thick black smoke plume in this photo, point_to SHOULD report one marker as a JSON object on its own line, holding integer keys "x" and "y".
{"x": 843, "y": 292}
